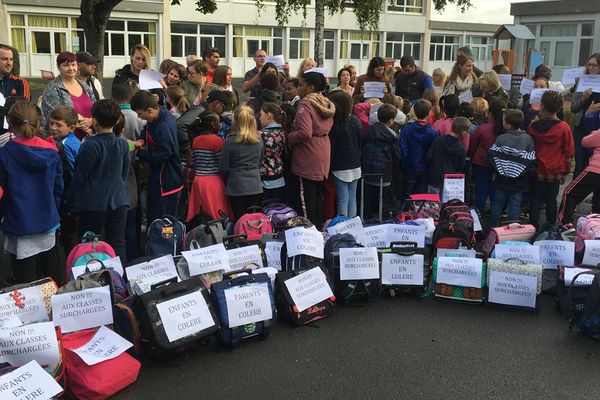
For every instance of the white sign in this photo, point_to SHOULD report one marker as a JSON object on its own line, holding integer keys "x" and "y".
{"x": 105, "y": 345}
{"x": 476, "y": 222}
{"x": 512, "y": 289}
{"x": 458, "y": 271}
{"x": 22, "y": 344}
{"x": 526, "y": 86}
{"x": 245, "y": 257}
{"x": 406, "y": 233}
{"x": 150, "y": 79}
{"x": 569, "y": 75}
{"x": 556, "y": 252}
{"x": 536, "y": 95}
{"x": 114, "y": 263}
{"x": 272, "y": 272}
{"x": 27, "y": 383}
{"x": 359, "y": 263}
{"x": 374, "y": 89}
{"x": 468, "y": 253}
{"x": 309, "y": 288}
{"x": 10, "y": 321}
{"x": 304, "y": 241}
{"x": 27, "y": 304}
{"x": 376, "y": 236}
{"x": 2, "y": 100}
{"x": 84, "y": 309}
{"x": 402, "y": 270}
{"x": 352, "y": 226}
{"x": 466, "y": 97}
{"x": 273, "y": 253}
{"x": 582, "y": 280}
{"x": 279, "y": 61}
{"x": 591, "y": 255}
{"x": 184, "y": 316}
{"x": 454, "y": 188}
{"x": 529, "y": 254}
{"x": 318, "y": 70}
{"x": 248, "y": 304}
{"x": 156, "y": 270}
{"x": 506, "y": 81}
{"x": 588, "y": 81}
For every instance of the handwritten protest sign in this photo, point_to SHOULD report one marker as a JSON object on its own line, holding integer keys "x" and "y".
{"x": 105, "y": 345}
{"x": 526, "y": 86}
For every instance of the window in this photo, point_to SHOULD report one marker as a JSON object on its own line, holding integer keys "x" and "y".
{"x": 329, "y": 39}
{"x": 185, "y": 38}
{"x": 403, "y": 44}
{"x": 121, "y": 36}
{"x": 481, "y": 46}
{"x": 563, "y": 54}
{"x": 559, "y": 30}
{"x": 299, "y": 44}
{"x": 248, "y": 39}
{"x": 586, "y": 42}
{"x": 17, "y": 33}
{"x": 358, "y": 45}
{"x": 545, "y": 48}
{"x": 407, "y": 6}
{"x": 443, "y": 47}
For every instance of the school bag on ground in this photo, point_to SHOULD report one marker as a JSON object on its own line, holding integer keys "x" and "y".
{"x": 453, "y": 291}
{"x": 420, "y": 206}
{"x": 586, "y": 318}
{"x": 455, "y": 227}
{"x": 206, "y": 233}
{"x": 397, "y": 257}
{"x": 575, "y": 301}
{"x": 301, "y": 261}
{"x": 512, "y": 232}
{"x": 253, "y": 225}
{"x": 279, "y": 213}
{"x": 90, "y": 248}
{"x": 514, "y": 284}
{"x": 588, "y": 228}
{"x": 248, "y": 297}
{"x": 165, "y": 236}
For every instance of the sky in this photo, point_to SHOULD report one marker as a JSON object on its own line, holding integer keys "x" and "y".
{"x": 484, "y": 11}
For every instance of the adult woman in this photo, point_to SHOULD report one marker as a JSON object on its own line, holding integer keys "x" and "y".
{"x": 353, "y": 74}
{"x": 346, "y": 139}
{"x": 222, "y": 80}
{"x": 140, "y": 59}
{"x": 461, "y": 78}
{"x": 174, "y": 75}
{"x": 273, "y": 137}
{"x": 344, "y": 75}
{"x": 311, "y": 149}
{"x": 375, "y": 73}
{"x": 438, "y": 79}
{"x": 531, "y": 110}
{"x": 544, "y": 71}
{"x": 68, "y": 90}
{"x": 489, "y": 85}
{"x": 305, "y": 65}
{"x": 195, "y": 86}
{"x": 240, "y": 160}
{"x": 32, "y": 183}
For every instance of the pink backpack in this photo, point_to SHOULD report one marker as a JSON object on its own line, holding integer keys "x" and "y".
{"x": 588, "y": 228}
{"x": 253, "y": 225}
{"x": 90, "y": 248}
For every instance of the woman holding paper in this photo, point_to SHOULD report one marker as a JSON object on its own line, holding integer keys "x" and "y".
{"x": 375, "y": 73}
{"x": 462, "y": 77}
{"x": 139, "y": 59}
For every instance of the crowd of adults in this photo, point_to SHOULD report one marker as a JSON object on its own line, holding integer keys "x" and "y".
{"x": 199, "y": 148}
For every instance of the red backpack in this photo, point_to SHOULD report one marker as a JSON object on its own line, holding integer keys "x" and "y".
{"x": 253, "y": 225}
{"x": 90, "y": 248}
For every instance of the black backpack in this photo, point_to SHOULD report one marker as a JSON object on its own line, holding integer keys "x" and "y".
{"x": 585, "y": 314}
{"x": 455, "y": 227}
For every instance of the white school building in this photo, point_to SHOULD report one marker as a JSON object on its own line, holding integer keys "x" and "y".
{"x": 42, "y": 29}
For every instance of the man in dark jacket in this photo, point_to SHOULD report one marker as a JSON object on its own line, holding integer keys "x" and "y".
{"x": 411, "y": 82}
{"x": 162, "y": 153}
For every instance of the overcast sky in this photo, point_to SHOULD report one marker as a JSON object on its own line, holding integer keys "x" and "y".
{"x": 484, "y": 11}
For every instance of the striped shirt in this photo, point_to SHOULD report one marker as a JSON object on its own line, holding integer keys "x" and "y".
{"x": 206, "y": 154}
{"x": 512, "y": 154}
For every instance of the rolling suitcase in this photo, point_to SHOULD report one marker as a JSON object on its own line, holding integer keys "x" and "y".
{"x": 405, "y": 269}
{"x": 514, "y": 284}
{"x": 460, "y": 279}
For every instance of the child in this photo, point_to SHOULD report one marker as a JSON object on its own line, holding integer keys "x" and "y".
{"x": 291, "y": 91}
{"x": 434, "y": 98}
{"x": 512, "y": 156}
{"x": 480, "y": 113}
{"x": 450, "y": 104}
{"x": 447, "y": 155}
{"x": 465, "y": 110}
{"x": 273, "y": 137}
{"x": 176, "y": 98}
{"x": 30, "y": 171}
{"x": 554, "y": 150}
{"x": 380, "y": 150}
{"x": 415, "y": 140}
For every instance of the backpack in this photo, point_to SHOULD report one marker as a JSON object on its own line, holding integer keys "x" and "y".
{"x": 455, "y": 227}
{"x": 420, "y": 206}
{"x": 165, "y": 236}
{"x": 279, "y": 213}
{"x": 206, "y": 233}
{"x": 102, "y": 277}
{"x": 588, "y": 228}
{"x": 253, "y": 225}
{"x": 90, "y": 248}
{"x": 587, "y": 318}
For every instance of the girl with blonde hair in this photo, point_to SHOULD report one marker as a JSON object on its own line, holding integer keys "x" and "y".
{"x": 176, "y": 98}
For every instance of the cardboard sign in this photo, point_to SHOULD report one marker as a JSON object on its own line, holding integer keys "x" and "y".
{"x": 273, "y": 253}
{"x": 512, "y": 289}
{"x": 468, "y": 253}
{"x": 84, "y": 309}
{"x": 466, "y": 97}
{"x": 279, "y": 61}
{"x": 245, "y": 257}
{"x": 23, "y": 344}
{"x": 506, "y": 81}
{"x": 304, "y": 241}
{"x": 406, "y": 233}
{"x": 114, "y": 263}
{"x": 402, "y": 270}
{"x": 591, "y": 255}
{"x": 529, "y": 254}
{"x": 156, "y": 270}
{"x": 352, "y": 226}
{"x": 105, "y": 345}
{"x": 309, "y": 288}
{"x": 526, "y": 86}
{"x": 27, "y": 383}
{"x": 185, "y": 316}
{"x": 587, "y": 81}
{"x": 27, "y": 304}
{"x": 569, "y": 75}
{"x": 458, "y": 271}
{"x": 248, "y": 304}
{"x": 582, "y": 280}
{"x": 374, "y": 90}
{"x": 454, "y": 188}
{"x": 376, "y": 236}
{"x": 556, "y": 252}
{"x": 476, "y": 222}
{"x": 359, "y": 263}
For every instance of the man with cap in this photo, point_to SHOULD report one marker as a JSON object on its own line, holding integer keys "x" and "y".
{"x": 219, "y": 101}
{"x": 86, "y": 64}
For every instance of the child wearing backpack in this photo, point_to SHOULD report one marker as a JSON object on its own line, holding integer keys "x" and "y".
{"x": 447, "y": 155}
{"x": 415, "y": 140}
{"x": 450, "y": 105}
{"x": 554, "y": 150}
{"x": 513, "y": 154}
{"x": 30, "y": 188}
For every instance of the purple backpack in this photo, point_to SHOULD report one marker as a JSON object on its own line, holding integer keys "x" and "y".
{"x": 279, "y": 213}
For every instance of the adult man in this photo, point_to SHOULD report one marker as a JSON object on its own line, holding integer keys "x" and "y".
{"x": 251, "y": 78}
{"x": 466, "y": 51}
{"x": 411, "y": 82}
{"x": 190, "y": 59}
{"x": 211, "y": 57}
{"x": 86, "y": 64}
{"x": 11, "y": 85}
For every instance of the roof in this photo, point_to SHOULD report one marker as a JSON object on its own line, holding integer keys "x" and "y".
{"x": 462, "y": 26}
{"x": 556, "y": 7}
{"x": 513, "y": 31}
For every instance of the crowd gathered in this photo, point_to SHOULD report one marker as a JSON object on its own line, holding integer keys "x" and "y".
{"x": 74, "y": 161}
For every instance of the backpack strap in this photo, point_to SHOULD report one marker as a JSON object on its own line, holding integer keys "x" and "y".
{"x": 568, "y": 306}
{"x": 217, "y": 231}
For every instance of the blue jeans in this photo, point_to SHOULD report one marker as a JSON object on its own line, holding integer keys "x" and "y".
{"x": 346, "y": 197}
{"x": 501, "y": 196}
{"x": 483, "y": 186}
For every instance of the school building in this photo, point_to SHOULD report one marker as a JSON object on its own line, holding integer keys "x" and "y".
{"x": 42, "y": 29}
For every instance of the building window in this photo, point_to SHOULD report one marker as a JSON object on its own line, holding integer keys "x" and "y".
{"x": 566, "y": 45}
{"x": 121, "y": 36}
{"x": 359, "y": 45}
{"x": 403, "y": 44}
{"x": 558, "y": 30}
{"x": 481, "y": 46}
{"x": 248, "y": 39}
{"x": 17, "y": 32}
{"x": 329, "y": 39}
{"x": 407, "y": 6}
{"x": 299, "y": 44}
{"x": 186, "y": 37}
{"x": 443, "y": 47}
{"x": 586, "y": 43}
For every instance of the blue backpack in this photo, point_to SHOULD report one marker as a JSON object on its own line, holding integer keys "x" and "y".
{"x": 165, "y": 236}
